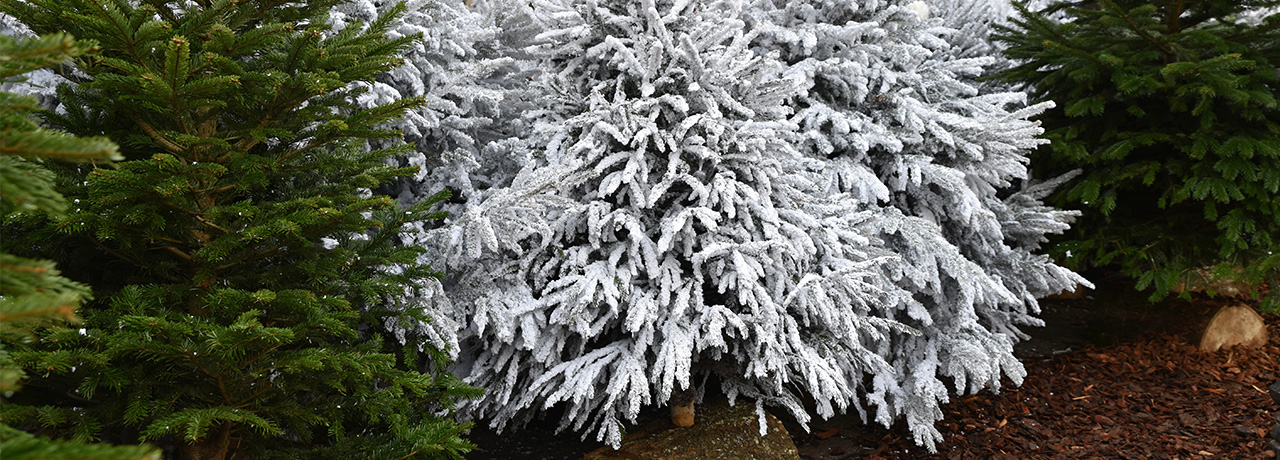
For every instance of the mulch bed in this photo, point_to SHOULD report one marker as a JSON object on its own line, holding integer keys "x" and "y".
{"x": 1154, "y": 396}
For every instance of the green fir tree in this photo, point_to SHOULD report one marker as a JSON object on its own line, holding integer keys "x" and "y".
{"x": 33, "y": 294}
{"x": 243, "y": 270}
{"x": 1169, "y": 108}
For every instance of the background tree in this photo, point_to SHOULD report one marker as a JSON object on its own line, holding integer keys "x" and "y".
{"x": 1169, "y": 108}
{"x": 242, "y": 266}
{"x": 32, "y": 292}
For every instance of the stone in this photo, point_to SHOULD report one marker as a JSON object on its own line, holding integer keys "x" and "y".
{"x": 1234, "y": 325}
{"x": 722, "y": 433}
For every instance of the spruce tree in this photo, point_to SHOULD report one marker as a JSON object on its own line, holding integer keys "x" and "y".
{"x": 664, "y": 231}
{"x": 244, "y": 271}
{"x": 33, "y": 294}
{"x": 779, "y": 201}
{"x": 1169, "y": 108}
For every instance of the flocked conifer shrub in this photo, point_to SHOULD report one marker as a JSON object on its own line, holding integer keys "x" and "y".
{"x": 892, "y": 106}
{"x": 472, "y": 69}
{"x": 685, "y": 234}
{"x": 33, "y": 294}
{"x": 1170, "y": 110}
{"x": 242, "y": 267}
{"x": 776, "y": 202}
{"x": 973, "y": 22}
{"x": 467, "y": 66}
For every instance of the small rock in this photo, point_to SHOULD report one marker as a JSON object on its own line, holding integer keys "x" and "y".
{"x": 1235, "y": 325}
{"x": 722, "y": 433}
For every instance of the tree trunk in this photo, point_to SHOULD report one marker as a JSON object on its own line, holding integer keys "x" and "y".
{"x": 681, "y": 404}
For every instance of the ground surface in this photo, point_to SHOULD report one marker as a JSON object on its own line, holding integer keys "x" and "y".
{"x": 1109, "y": 377}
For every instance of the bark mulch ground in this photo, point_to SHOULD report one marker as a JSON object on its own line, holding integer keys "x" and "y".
{"x": 1151, "y": 395}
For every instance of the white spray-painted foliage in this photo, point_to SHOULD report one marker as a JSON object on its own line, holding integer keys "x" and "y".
{"x": 973, "y": 22}
{"x": 692, "y": 238}
{"x": 891, "y": 103}
{"x": 799, "y": 199}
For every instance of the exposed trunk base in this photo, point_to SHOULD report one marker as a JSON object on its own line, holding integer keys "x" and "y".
{"x": 681, "y": 404}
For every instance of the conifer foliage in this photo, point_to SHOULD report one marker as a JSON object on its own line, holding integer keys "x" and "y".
{"x": 1170, "y": 109}
{"x": 32, "y": 292}
{"x": 782, "y": 201}
{"x": 696, "y": 234}
{"x": 238, "y": 255}
{"x": 892, "y": 106}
